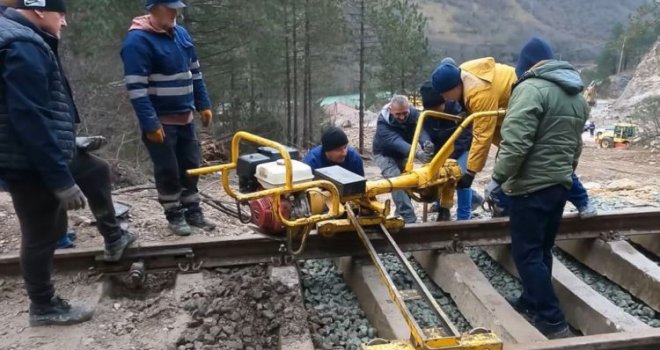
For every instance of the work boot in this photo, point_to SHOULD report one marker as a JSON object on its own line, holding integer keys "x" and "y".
{"x": 58, "y": 312}
{"x": 443, "y": 214}
{"x": 197, "y": 219}
{"x": 522, "y": 308}
{"x": 179, "y": 226}
{"x": 114, "y": 250}
{"x": 553, "y": 330}
{"x": 588, "y": 210}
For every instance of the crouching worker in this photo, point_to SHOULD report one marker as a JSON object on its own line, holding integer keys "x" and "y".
{"x": 540, "y": 148}
{"x": 395, "y": 130}
{"x": 334, "y": 150}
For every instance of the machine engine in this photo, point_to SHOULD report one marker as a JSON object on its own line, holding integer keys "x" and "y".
{"x": 266, "y": 170}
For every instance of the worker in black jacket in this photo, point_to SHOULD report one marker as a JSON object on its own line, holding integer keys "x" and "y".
{"x": 37, "y": 144}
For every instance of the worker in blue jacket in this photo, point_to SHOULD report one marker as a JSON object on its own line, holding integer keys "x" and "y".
{"x": 334, "y": 150}
{"x": 165, "y": 85}
{"x": 395, "y": 130}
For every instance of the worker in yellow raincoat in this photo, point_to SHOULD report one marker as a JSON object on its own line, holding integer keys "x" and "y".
{"x": 483, "y": 85}
{"x": 479, "y": 85}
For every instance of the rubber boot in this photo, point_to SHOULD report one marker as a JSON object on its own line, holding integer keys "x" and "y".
{"x": 463, "y": 203}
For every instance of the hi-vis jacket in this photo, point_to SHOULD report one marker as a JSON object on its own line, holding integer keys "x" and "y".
{"x": 486, "y": 87}
{"x": 162, "y": 73}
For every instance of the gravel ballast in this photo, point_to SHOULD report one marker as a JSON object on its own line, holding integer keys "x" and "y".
{"x": 610, "y": 290}
{"x": 240, "y": 308}
{"x": 335, "y": 317}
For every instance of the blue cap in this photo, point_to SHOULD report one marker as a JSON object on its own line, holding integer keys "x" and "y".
{"x": 173, "y": 4}
{"x": 446, "y": 77}
{"x": 535, "y": 51}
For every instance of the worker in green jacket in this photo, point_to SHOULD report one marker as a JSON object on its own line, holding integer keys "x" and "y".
{"x": 540, "y": 148}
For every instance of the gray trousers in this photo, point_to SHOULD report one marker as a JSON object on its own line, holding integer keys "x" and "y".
{"x": 391, "y": 167}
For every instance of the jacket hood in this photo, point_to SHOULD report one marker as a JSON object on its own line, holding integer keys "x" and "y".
{"x": 144, "y": 23}
{"x": 389, "y": 119}
{"x": 482, "y": 68}
{"x": 561, "y": 73}
{"x": 385, "y": 114}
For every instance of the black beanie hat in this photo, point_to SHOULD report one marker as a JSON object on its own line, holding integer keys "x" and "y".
{"x": 45, "y": 5}
{"x": 431, "y": 97}
{"x": 333, "y": 138}
{"x": 535, "y": 51}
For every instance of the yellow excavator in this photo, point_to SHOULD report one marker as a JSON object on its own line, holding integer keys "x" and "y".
{"x": 589, "y": 94}
{"x": 285, "y": 197}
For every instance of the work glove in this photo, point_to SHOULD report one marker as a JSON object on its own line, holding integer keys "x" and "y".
{"x": 156, "y": 136}
{"x": 428, "y": 147}
{"x": 466, "y": 180}
{"x": 492, "y": 189}
{"x": 207, "y": 117}
{"x": 90, "y": 143}
{"x": 72, "y": 198}
{"x": 423, "y": 157}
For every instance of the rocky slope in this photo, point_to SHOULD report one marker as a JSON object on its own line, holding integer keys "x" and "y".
{"x": 644, "y": 84}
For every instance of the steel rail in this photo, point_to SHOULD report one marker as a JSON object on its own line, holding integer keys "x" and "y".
{"x": 248, "y": 249}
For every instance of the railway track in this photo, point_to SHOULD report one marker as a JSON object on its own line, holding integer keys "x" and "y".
{"x": 194, "y": 253}
{"x": 438, "y": 247}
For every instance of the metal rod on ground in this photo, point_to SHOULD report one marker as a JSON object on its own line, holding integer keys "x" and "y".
{"x": 420, "y": 284}
{"x": 416, "y": 331}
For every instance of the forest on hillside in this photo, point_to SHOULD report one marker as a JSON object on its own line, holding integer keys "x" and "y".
{"x": 267, "y": 63}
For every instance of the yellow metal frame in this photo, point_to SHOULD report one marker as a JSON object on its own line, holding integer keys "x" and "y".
{"x": 274, "y": 193}
{"x": 417, "y": 334}
{"x": 440, "y": 175}
{"x": 423, "y": 339}
{"x": 445, "y": 151}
